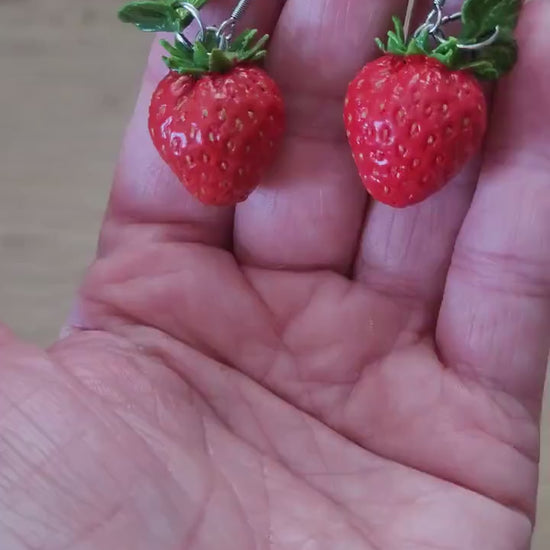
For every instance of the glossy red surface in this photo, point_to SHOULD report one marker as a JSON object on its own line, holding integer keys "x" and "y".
{"x": 412, "y": 123}
{"x": 218, "y": 133}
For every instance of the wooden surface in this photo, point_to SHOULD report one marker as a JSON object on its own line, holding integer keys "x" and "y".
{"x": 69, "y": 76}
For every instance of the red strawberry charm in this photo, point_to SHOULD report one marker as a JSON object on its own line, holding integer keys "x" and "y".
{"x": 216, "y": 118}
{"x": 412, "y": 125}
{"x": 218, "y": 133}
{"x": 417, "y": 114}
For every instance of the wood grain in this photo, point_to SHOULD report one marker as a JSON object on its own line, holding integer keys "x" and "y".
{"x": 70, "y": 73}
{"x": 69, "y": 78}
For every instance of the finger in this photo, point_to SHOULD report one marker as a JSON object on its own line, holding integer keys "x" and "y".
{"x": 494, "y": 323}
{"x": 308, "y": 213}
{"x": 148, "y": 203}
{"x": 405, "y": 253}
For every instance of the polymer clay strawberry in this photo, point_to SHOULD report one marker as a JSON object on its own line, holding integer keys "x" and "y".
{"x": 418, "y": 113}
{"x": 216, "y": 118}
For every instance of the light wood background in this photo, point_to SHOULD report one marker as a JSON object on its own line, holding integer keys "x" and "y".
{"x": 68, "y": 78}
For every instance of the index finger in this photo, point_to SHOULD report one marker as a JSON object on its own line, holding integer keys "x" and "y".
{"x": 147, "y": 201}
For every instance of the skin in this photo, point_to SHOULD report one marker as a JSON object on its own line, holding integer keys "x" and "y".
{"x": 308, "y": 370}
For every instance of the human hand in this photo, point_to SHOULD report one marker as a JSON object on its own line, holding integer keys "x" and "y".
{"x": 306, "y": 370}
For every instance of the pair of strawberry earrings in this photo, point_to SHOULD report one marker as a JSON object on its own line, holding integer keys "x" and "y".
{"x": 413, "y": 117}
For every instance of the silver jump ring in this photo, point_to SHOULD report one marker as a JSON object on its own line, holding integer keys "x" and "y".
{"x": 227, "y": 25}
{"x": 431, "y": 25}
{"x": 450, "y": 18}
{"x": 438, "y": 14}
{"x": 197, "y": 17}
{"x": 225, "y": 31}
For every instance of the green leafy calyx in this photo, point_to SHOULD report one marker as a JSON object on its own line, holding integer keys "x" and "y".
{"x": 480, "y": 19}
{"x": 208, "y": 53}
{"x": 205, "y": 55}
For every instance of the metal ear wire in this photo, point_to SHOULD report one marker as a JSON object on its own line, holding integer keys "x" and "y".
{"x": 440, "y": 36}
{"x": 227, "y": 28}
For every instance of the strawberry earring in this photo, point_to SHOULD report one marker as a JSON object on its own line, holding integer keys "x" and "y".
{"x": 216, "y": 118}
{"x": 417, "y": 114}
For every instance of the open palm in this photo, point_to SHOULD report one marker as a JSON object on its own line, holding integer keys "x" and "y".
{"x": 308, "y": 370}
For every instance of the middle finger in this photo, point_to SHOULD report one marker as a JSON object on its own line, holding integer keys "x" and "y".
{"x": 309, "y": 212}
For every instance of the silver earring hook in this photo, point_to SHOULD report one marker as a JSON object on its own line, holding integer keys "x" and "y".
{"x": 480, "y": 45}
{"x": 439, "y": 35}
{"x": 227, "y": 28}
{"x": 224, "y": 32}
{"x": 197, "y": 17}
{"x": 436, "y": 20}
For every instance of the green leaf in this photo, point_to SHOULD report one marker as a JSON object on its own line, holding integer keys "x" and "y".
{"x": 184, "y": 50}
{"x": 179, "y": 51}
{"x": 158, "y": 15}
{"x": 150, "y": 16}
{"x": 503, "y": 55}
{"x": 415, "y": 48}
{"x": 258, "y": 56}
{"x": 396, "y": 39}
{"x": 447, "y": 52}
{"x": 495, "y": 60}
{"x": 482, "y": 69}
{"x": 175, "y": 65}
{"x": 381, "y": 45}
{"x": 418, "y": 45}
{"x": 220, "y": 61}
{"x": 169, "y": 48}
{"x": 210, "y": 40}
{"x": 200, "y": 55}
{"x": 243, "y": 40}
{"x": 399, "y": 30}
{"x": 481, "y": 17}
{"x": 206, "y": 56}
{"x": 256, "y": 49}
{"x": 394, "y": 44}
